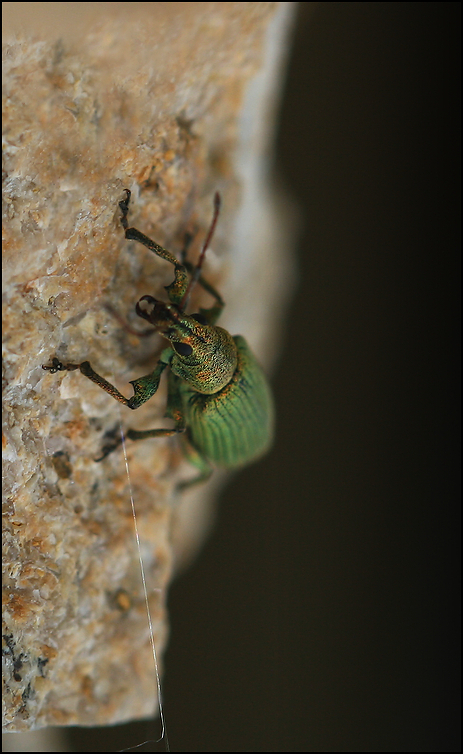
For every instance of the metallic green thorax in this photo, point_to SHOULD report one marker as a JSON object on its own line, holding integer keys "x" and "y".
{"x": 214, "y": 356}
{"x": 218, "y": 395}
{"x": 233, "y": 426}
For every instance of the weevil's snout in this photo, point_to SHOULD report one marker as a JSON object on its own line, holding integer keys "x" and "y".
{"x": 205, "y": 355}
{"x": 169, "y": 321}
{"x": 155, "y": 312}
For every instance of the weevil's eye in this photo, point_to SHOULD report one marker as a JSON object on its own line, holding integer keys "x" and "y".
{"x": 200, "y": 318}
{"x": 183, "y": 349}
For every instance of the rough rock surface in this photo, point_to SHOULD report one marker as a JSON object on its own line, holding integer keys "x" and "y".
{"x": 173, "y": 103}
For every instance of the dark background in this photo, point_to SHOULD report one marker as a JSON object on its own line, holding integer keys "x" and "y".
{"x": 323, "y": 612}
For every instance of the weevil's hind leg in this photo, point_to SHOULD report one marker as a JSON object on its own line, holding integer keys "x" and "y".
{"x": 135, "y": 434}
{"x": 174, "y": 408}
{"x": 142, "y": 434}
{"x": 198, "y": 461}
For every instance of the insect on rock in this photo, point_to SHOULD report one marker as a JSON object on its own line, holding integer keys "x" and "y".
{"x": 218, "y": 395}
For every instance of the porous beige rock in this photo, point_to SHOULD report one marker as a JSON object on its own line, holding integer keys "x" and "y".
{"x": 173, "y": 101}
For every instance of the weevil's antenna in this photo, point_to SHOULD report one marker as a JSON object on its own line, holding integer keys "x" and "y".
{"x": 197, "y": 270}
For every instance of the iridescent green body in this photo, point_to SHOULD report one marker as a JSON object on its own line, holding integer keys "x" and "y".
{"x": 218, "y": 397}
{"x": 234, "y": 426}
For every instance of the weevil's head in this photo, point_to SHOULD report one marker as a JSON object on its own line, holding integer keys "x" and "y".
{"x": 205, "y": 355}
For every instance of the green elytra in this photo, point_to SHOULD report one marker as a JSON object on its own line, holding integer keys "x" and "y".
{"x": 218, "y": 395}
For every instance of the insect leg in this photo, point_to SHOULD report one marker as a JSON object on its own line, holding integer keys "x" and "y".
{"x": 176, "y": 290}
{"x": 134, "y": 434}
{"x": 86, "y": 369}
{"x": 143, "y": 388}
{"x": 213, "y": 313}
{"x": 196, "y": 460}
{"x": 174, "y": 408}
{"x": 142, "y": 434}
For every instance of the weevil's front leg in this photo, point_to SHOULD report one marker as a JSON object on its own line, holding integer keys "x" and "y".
{"x": 146, "y": 386}
{"x": 176, "y": 290}
{"x": 86, "y": 369}
{"x": 143, "y": 388}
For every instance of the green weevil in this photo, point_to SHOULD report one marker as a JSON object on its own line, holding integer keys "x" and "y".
{"x": 218, "y": 395}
